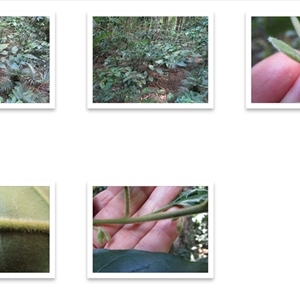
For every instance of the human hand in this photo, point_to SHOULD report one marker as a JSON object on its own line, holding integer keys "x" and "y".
{"x": 156, "y": 236}
{"x": 276, "y": 79}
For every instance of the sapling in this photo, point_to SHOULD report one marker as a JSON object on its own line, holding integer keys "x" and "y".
{"x": 285, "y": 48}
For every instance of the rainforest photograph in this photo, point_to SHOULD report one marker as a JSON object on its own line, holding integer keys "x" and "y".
{"x": 150, "y": 59}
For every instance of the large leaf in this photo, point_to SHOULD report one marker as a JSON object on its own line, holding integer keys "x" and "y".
{"x": 188, "y": 198}
{"x": 24, "y": 229}
{"x": 143, "y": 261}
{"x": 191, "y": 197}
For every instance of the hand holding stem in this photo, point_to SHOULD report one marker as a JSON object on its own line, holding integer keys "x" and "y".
{"x": 149, "y": 235}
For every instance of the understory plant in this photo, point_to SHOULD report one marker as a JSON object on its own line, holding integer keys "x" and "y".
{"x": 191, "y": 202}
{"x": 24, "y": 59}
{"x": 133, "y": 54}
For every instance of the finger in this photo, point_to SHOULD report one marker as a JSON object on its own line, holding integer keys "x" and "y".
{"x": 161, "y": 237}
{"x": 293, "y": 95}
{"x": 103, "y": 198}
{"x": 161, "y": 196}
{"x": 115, "y": 208}
{"x": 273, "y": 77}
{"x": 131, "y": 234}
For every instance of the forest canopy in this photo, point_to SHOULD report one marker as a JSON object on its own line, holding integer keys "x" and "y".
{"x": 150, "y": 59}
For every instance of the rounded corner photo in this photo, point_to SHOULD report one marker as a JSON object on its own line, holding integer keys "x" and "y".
{"x": 156, "y": 229}
{"x": 275, "y": 68}
{"x": 141, "y": 62}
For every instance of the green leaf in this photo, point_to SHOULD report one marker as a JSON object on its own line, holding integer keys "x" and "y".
{"x": 188, "y": 198}
{"x": 102, "y": 235}
{"x": 3, "y": 46}
{"x": 14, "y": 49}
{"x": 151, "y": 67}
{"x": 285, "y": 48}
{"x": 13, "y": 65}
{"x": 296, "y": 24}
{"x": 181, "y": 64}
{"x": 108, "y": 85}
{"x": 143, "y": 261}
{"x": 30, "y": 56}
{"x": 24, "y": 229}
{"x": 159, "y": 62}
{"x": 191, "y": 197}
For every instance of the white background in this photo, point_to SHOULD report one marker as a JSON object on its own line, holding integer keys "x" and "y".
{"x": 252, "y": 156}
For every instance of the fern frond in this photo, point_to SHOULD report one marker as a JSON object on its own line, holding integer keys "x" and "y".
{"x": 6, "y": 84}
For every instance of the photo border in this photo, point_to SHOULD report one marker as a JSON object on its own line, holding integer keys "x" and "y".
{"x": 144, "y": 12}
{"x": 52, "y": 235}
{"x": 145, "y": 275}
{"x": 249, "y": 104}
{"x": 52, "y": 84}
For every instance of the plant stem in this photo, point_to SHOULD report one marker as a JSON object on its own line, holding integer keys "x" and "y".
{"x": 127, "y": 201}
{"x": 197, "y": 209}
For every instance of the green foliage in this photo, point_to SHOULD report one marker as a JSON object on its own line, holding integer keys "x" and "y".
{"x": 6, "y": 85}
{"x": 118, "y": 83}
{"x": 134, "y": 53}
{"x": 143, "y": 261}
{"x": 24, "y": 229}
{"x": 201, "y": 230}
{"x": 191, "y": 197}
{"x": 24, "y": 60}
{"x": 191, "y": 97}
{"x": 23, "y": 94}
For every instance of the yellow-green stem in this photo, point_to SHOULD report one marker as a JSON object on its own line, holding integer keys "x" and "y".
{"x": 127, "y": 201}
{"x": 197, "y": 209}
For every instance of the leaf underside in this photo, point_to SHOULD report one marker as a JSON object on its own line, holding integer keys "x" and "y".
{"x": 23, "y": 204}
{"x": 24, "y": 229}
{"x": 143, "y": 261}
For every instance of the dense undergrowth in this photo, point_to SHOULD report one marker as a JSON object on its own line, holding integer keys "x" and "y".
{"x": 150, "y": 60}
{"x": 24, "y": 59}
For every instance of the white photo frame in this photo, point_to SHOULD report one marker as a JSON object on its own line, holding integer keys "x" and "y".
{"x": 52, "y": 231}
{"x": 52, "y": 71}
{"x": 92, "y": 275}
{"x": 249, "y": 103}
{"x": 145, "y": 12}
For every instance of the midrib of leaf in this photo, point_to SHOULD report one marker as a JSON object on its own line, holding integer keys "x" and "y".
{"x": 24, "y": 225}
